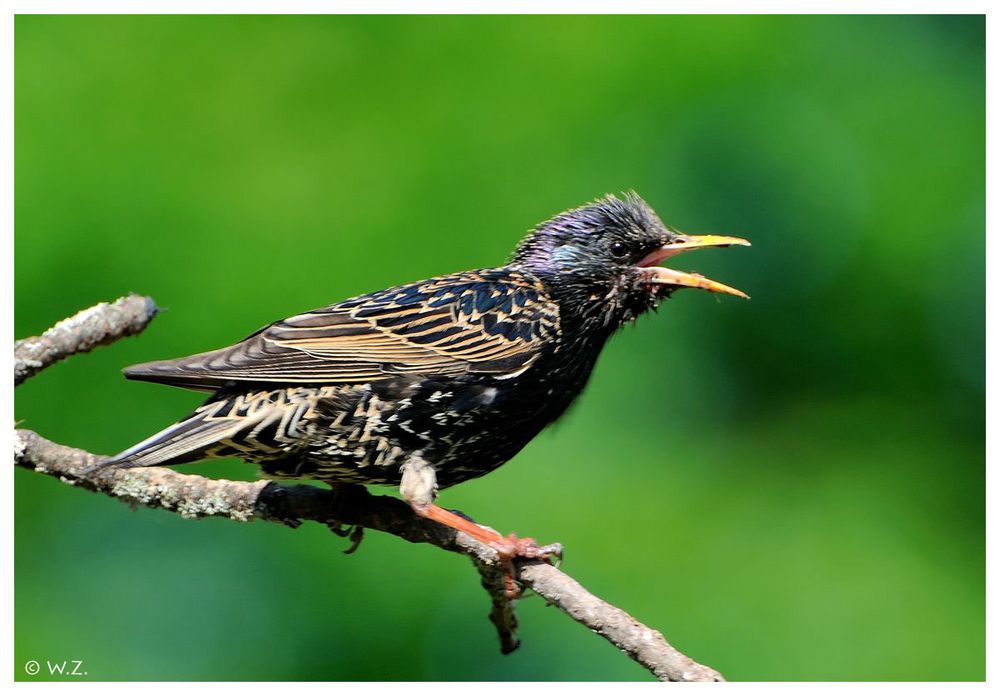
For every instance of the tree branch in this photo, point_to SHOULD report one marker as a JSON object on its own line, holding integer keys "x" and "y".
{"x": 101, "y": 324}
{"x": 196, "y": 496}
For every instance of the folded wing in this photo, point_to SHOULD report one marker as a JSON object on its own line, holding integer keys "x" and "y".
{"x": 491, "y": 322}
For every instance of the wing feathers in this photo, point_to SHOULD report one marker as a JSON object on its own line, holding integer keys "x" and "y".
{"x": 495, "y": 321}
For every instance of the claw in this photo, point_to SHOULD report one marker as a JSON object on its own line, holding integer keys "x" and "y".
{"x": 514, "y": 547}
{"x": 511, "y": 547}
{"x": 354, "y": 533}
{"x": 357, "y": 536}
{"x": 508, "y": 547}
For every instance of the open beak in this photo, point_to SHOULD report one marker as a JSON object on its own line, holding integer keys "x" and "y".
{"x": 657, "y": 275}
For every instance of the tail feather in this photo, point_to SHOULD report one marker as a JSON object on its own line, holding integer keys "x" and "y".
{"x": 183, "y": 441}
{"x": 188, "y": 440}
{"x": 256, "y": 423}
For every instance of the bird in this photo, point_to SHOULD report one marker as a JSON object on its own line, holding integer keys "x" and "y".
{"x": 432, "y": 383}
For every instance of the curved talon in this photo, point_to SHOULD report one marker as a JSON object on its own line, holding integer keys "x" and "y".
{"x": 354, "y": 533}
{"x": 357, "y": 535}
{"x": 507, "y": 547}
{"x": 511, "y": 547}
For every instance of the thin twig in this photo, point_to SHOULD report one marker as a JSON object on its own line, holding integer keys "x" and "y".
{"x": 197, "y": 496}
{"x": 97, "y": 326}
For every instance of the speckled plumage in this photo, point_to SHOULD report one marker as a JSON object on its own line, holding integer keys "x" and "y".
{"x": 427, "y": 367}
{"x": 432, "y": 383}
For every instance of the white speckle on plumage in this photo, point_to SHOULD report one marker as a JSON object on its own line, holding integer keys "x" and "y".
{"x": 489, "y": 394}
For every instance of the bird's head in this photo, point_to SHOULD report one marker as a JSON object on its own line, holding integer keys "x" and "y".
{"x": 602, "y": 259}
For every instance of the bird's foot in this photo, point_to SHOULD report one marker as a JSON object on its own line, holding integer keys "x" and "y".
{"x": 507, "y": 547}
{"x": 510, "y": 547}
{"x": 355, "y": 533}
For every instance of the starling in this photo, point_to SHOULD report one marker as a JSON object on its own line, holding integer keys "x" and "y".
{"x": 429, "y": 384}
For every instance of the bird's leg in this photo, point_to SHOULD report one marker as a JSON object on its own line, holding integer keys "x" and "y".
{"x": 419, "y": 488}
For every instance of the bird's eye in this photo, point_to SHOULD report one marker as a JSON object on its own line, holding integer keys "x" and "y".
{"x": 619, "y": 250}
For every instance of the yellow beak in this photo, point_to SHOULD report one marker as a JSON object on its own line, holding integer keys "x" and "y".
{"x": 656, "y": 275}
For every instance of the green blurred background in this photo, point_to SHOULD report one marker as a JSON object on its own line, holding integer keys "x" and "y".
{"x": 815, "y": 510}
